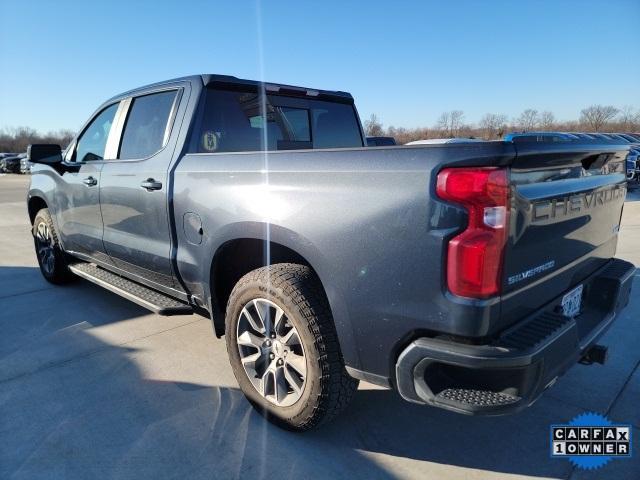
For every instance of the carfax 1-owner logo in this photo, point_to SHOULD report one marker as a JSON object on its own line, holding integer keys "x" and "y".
{"x": 590, "y": 441}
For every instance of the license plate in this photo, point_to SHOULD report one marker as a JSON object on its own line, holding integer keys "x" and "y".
{"x": 572, "y": 301}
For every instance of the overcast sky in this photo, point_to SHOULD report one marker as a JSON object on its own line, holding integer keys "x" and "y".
{"x": 405, "y": 61}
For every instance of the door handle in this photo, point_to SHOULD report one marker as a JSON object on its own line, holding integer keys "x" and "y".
{"x": 90, "y": 181}
{"x": 150, "y": 184}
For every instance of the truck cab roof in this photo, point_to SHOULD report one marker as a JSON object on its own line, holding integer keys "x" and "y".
{"x": 211, "y": 80}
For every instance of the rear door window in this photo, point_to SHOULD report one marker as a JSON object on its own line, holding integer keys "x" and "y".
{"x": 236, "y": 121}
{"x": 145, "y": 131}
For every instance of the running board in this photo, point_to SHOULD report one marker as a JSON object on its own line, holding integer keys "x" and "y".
{"x": 146, "y": 297}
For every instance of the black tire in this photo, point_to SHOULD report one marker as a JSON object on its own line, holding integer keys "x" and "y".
{"x": 328, "y": 388}
{"x": 53, "y": 264}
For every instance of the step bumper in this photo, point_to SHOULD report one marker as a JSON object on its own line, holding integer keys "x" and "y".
{"x": 511, "y": 372}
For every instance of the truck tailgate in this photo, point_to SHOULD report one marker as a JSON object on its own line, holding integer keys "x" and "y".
{"x": 566, "y": 205}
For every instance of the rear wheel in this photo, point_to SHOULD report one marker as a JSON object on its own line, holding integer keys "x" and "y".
{"x": 51, "y": 258}
{"x": 283, "y": 347}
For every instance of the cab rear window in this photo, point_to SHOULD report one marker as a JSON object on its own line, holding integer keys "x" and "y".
{"x": 239, "y": 121}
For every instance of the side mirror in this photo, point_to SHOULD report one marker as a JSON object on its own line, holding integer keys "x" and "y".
{"x": 47, "y": 153}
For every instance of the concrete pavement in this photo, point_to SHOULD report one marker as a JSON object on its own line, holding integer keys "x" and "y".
{"x": 93, "y": 386}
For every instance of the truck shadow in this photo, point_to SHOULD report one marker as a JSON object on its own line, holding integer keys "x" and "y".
{"x": 100, "y": 417}
{"x": 42, "y": 324}
{"x": 85, "y": 408}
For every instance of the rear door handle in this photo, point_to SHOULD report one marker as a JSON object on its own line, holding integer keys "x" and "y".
{"x": 150, "y": 184}
{"x": 90, "y": 181}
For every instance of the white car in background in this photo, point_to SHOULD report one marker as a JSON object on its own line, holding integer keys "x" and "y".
{"x": 434, "y": 141}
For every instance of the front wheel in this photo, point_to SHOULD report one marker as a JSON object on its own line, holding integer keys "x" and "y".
{"x": 51, "y": 258}
{"x": 283, "y": 347}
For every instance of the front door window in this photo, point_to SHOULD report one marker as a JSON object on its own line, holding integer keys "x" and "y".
{"x": 93, "y": 141}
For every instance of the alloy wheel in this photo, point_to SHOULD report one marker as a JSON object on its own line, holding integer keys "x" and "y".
{"x": 271, "y": 352}
{"x": 44, "y": 248}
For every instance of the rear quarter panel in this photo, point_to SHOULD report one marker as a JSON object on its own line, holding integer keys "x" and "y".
{"x": 365, "y": 219}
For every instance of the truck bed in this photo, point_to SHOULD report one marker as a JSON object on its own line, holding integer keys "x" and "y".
{"x": 371, "y": 225}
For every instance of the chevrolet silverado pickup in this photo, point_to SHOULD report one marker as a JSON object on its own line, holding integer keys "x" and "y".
{"x": 467, "y": 276}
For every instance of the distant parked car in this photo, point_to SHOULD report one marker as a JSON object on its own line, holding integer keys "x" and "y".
{"x": 11, "y": 164}
{"x": 633, "y": 166}
{"x": 633, "y": 159}
{"x": 25, "y": 165}
{"x": 629, "y": 137}
{"x": 621, "y": 137}
{"x": 380, "y": 141}
{"x": 4, "y": 155}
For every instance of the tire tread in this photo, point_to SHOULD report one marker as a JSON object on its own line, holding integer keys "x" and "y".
{"x": 61, "y": 274}
{"x": 304, "y": 289}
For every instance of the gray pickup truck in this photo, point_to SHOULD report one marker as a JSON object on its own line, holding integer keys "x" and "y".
{"x": 467, "y": 276}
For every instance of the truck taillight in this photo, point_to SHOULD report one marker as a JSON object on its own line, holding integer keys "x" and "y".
{"x": 474, "y": 257}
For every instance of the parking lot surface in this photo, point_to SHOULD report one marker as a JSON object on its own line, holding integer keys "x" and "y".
{"x": 93, "y": 386}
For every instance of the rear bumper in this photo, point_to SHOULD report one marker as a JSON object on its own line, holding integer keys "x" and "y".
{"x": 510, "y": 372}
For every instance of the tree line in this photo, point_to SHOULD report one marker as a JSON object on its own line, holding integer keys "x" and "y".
{"x": 492, "y": 126}
{"x": 595, "y": 118}
{"x": 17, "y": 139}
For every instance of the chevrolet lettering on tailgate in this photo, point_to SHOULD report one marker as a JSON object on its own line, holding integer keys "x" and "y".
{"x": 566, "y": 206}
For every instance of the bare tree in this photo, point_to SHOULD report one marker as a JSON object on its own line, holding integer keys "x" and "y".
{"x": 597, "y": 116}
{"x": 456, "y": 123}
{"x": 629, "y": 119}
{"x": 547, "y": 120}
{"x": 443, "y": 123}
{"x": 528, "y": 120}
{"x": 450, "y": 123}
{"x": 493, "y": 125}
{"x": 373, "y": 126}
